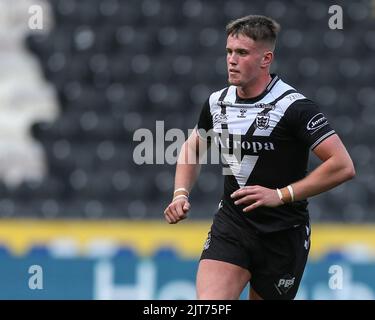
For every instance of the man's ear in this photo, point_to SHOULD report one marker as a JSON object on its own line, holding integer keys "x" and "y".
{"x": 267, "y": 59}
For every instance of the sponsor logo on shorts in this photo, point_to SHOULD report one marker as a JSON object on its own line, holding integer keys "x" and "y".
{"x": 208, "y": 242}
{"x": 284, "y": 284}
{"x": 307, "y": 242}
{"x": 221, "y": 204}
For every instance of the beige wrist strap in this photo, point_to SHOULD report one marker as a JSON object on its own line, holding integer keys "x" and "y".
{"x": 180, "y": 196}
{"x": 286, "y": 195}
{"x": 280, "y": 195}
{"x": 181, "y": 189}
{"x": 180, "y": 193}
{"x": 291, "y": 192}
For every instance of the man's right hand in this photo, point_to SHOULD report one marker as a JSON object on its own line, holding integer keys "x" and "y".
{"x": 177, "y": 210}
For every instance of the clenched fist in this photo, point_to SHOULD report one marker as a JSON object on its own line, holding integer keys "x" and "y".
{"x": 177, "y": 210}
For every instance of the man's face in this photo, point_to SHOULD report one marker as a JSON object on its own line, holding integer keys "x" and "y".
{"x": 244, "y": 60}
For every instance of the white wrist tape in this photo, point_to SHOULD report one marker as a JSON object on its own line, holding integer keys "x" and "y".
{"x": 180, "y": 196}
{"x": 291, "y": 192}
{"x": 280, "y": 195}
{"x": 181, "y": 189}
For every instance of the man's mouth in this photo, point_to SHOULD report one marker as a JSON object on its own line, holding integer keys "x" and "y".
{"x": 233, "y": 71}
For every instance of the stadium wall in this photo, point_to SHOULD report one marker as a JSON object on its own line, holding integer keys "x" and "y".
{"x": 153, "y": 260}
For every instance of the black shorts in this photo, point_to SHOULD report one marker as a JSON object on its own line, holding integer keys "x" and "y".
{"x": 275, "y": 260}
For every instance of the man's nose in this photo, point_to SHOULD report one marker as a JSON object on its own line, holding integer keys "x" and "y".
{"x": 232, "y": 59}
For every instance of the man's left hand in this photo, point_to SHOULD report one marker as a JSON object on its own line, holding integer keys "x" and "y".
{"x": 256, "y": 196}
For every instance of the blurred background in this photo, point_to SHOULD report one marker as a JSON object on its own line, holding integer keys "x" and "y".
{"x": 79, "y": 77}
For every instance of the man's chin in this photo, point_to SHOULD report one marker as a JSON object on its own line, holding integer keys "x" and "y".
{"x": 233, "y": 82}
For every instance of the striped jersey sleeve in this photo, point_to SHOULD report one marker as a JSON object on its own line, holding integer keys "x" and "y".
{"x": 308, "y": 123}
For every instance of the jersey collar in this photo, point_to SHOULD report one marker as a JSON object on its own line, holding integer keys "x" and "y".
{"x": 269, "y": 87}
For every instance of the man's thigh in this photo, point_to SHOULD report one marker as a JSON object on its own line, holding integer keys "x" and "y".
{"x": 220, "y": 280}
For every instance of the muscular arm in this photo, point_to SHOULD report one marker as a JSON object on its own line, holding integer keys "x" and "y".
{"x": 187, "y": 172}
{"x": 188, "y": 166}
{"x": 337, "y": 167}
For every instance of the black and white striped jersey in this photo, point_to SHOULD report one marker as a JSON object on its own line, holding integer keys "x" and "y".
{"x": 264, "y": 141}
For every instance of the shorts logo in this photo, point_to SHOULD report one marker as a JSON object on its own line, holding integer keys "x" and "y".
{"x": 307, "y": 242}
{"x": 262, "y": 121}
{"x": 284, "y": 284}
{"x": 221, "y": 204}
{"x": 208, "y": 242}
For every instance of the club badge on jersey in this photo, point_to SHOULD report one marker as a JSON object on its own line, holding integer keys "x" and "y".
{"x": 262, "y": 121}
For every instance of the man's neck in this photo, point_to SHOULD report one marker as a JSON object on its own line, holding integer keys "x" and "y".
{"x": 255, "y": 89}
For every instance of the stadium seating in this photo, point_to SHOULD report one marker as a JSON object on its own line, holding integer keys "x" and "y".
{"x": 118, "y": 66}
